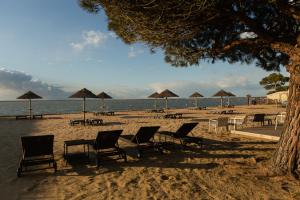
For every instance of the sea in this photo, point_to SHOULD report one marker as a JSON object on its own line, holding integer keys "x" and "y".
{"x": 20, "y": 107}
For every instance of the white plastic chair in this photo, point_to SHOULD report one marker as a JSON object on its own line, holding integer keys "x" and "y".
{"x": 216, "y": 123}
{"x": 238, "y": 120}
{"x": 280, "y": 119}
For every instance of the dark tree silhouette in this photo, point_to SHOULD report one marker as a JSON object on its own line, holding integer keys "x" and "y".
{"x": 275, "y": 82}
{"x": 262, "y": 31}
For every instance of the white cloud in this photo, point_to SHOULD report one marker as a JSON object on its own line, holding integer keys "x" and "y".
{"x": 113, "y": 34}
{"x": 125, "y": 92}
{"x": 14, "y": 83}
{"x": 89, "y": 38}
{"x": 228, "y": 82}
{"x": 133, "y": 52}
{"x": 247, "y": 35}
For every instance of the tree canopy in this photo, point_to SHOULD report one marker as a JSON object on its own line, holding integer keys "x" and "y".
{"x": 189, "y": 31}
{"x": 275, "y": 82}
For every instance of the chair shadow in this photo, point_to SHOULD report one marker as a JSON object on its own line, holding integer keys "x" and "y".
{"x": 112, "y": 123}
{"x": 176, "y": 156}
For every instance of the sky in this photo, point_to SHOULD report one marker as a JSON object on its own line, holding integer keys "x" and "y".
{"x": 55, "y": 48}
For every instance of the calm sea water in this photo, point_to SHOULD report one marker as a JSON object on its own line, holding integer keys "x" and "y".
{"x": 9, "y": 108}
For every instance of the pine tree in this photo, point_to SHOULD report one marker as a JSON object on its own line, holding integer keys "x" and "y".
{"x": 262, "y": 31}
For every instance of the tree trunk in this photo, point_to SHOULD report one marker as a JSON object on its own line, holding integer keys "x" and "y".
{"x": 287, "y": 157}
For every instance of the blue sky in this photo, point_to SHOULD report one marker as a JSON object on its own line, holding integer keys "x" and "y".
{"x": 54, "y": 48}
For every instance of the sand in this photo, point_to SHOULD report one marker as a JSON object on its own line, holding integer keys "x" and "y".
{"x": 228, "y": 167}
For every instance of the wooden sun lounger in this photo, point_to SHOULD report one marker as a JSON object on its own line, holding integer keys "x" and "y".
{"x": 77, "y": 122}
{"x": 182, "y": 135}
{"x": 94, "y": 122}
{"x": 38, "y": 116}
{"x": 144, "y": 138}
{"x": 173, "y": 116}
{"x": 36, "y": 150}
{"x": 108, "y": 113}
{"x": 106, "y": 144}
{"x": 22, "y": 117}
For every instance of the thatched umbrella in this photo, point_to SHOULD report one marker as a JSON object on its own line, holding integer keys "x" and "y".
{"x": 165, "y": 94}
{"x": 156, "y": 96}
{"x": 103, "y": 96}
{"x": 221, "y": 93}
{"x": 196, "y": 95}
{"x": 29, "y": 95}
{"x": 84, "y": 93}
{"x": 248, "y": 98}
{"x": 230, "y": 95}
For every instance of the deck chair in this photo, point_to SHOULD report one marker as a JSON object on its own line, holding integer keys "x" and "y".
{"x": 238, "y": 121}
{"x": 106, "y": 144}
{"x": 144, "y": 138}
{"x": 280, "y": 119}
{"x": 182, "y": 135}
{"x": 260, "y": 118}
{"x": 217, "y": 123}
{"x": 36, "y": 150}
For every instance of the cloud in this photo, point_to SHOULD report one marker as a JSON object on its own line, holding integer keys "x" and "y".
{"x": 125, "y": 92}
{"x": 228, "y": 82}
{"x": 14, "y": 83}
{"x": 89, "y": 38}
{"x": 246, "y": 35}
{"x": 133, "y": 52}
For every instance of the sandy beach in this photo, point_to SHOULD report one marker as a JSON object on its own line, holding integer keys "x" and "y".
{"x": 227, "y": 167}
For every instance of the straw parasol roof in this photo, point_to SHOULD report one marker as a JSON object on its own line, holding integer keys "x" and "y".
{"x": 83, "y": 93}
{"x": 29, "y": 95}
{"x": 154, "y": 95}
{"x": 221, "y": 93}
{"x": 231, "y": 94}
{"x": 196, "y": 94}
{"x": 103, "y": 95}
{"x": 167, "y": 93}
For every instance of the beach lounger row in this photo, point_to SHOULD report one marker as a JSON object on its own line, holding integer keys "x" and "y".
{"x": 38, "y": 150}
{"x": 157, "y": 111}
{"x": 170, "y": 116}
{"x": 37, "y": 116}
{"x": 92, "y": 122}
{"x": 173, "y": 116}
{"x": 107, "y": 113}
{"x": 224, "y": 112}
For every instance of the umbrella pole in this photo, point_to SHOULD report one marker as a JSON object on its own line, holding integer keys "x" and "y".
{"x": 221, "y": 102}
{"x": 228, "y": 101}
{"x": 199, "y": 103}
{"x": 84, "y": 109}
{"x": 196, "y": 102}
{"x": 102, "y": 104}
{"x": 166, "y": 102}
{"x": 155, "y": 104}
{"x": 30, "y": 109}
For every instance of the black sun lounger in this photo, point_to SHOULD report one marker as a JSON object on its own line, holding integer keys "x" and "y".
{"x": 143, "y": 138}
{"x": 36, "y": 150}
{"x": 106, "y": 144}
{"x": 182, "y": 134}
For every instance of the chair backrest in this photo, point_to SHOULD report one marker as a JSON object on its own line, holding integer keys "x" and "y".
{"x": 107, "y": 139}
{"x": 259, "y": 117}
{"x": 222, "y": 121}
{"x": 144, "y": 134}
{"x": 281, "y": 117}
{"x": 40, "y": 145}
{"x": 185, "y": 129}
{"x": 245, "y": 119}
